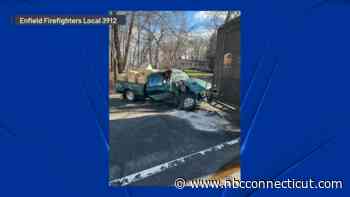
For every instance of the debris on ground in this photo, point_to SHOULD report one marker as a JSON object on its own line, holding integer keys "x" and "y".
{"x": 204, "y": 120}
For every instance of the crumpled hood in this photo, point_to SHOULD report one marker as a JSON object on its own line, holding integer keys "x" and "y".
{"x": 197, "y": 85}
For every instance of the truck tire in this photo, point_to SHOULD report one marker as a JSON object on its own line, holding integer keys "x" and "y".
{"x": 129, "y": 95}
{"x": 187, "y": 102}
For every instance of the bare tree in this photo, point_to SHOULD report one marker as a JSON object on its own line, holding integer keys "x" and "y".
{"x": 131, "y": 26}
{"x": 162, "y": 37}
{"x": 121, "y": 40}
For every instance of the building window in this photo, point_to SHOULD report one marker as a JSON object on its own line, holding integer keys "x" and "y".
{"x": 228, "y": 59}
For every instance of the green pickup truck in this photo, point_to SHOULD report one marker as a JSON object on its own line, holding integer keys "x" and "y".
{"x": 170, "y": 85}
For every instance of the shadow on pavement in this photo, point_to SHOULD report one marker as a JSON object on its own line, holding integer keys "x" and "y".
{"x": 143, "y": 142}
{"x": 119, "y": 104}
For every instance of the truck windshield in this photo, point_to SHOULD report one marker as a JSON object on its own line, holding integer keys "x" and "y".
{"x": 179, "y": 76}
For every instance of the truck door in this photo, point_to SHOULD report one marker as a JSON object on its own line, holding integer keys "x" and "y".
{"x": 157, "y": 87}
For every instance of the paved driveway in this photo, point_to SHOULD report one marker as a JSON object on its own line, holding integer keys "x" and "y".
{"x": 153, "y": 144}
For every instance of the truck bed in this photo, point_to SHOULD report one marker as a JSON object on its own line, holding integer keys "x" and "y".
{"x": 137, "y": 88}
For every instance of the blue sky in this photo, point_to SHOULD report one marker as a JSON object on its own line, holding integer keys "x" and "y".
{"x": 200, "y": 20}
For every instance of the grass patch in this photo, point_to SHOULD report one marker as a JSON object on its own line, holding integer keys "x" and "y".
{"x": 196, "y": 73}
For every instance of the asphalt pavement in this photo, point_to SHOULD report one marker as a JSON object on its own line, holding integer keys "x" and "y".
{"x": 152, "y": 144}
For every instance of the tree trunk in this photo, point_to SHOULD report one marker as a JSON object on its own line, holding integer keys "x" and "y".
{"x": 117, "y": 48}
{"x": 127, "y": 45}
{"x": 156, "y": 57}
{"x": 150, "y": 49}
{"x": 112, "y": 62}
{"x": 138, "y": 43}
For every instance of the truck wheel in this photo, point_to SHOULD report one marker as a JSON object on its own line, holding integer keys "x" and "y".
{"x": 187, "y": 102}
{"x": 130, "y": 95}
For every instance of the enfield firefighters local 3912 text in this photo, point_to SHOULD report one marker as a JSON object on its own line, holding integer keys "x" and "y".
{"x": 66, "y": 20}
